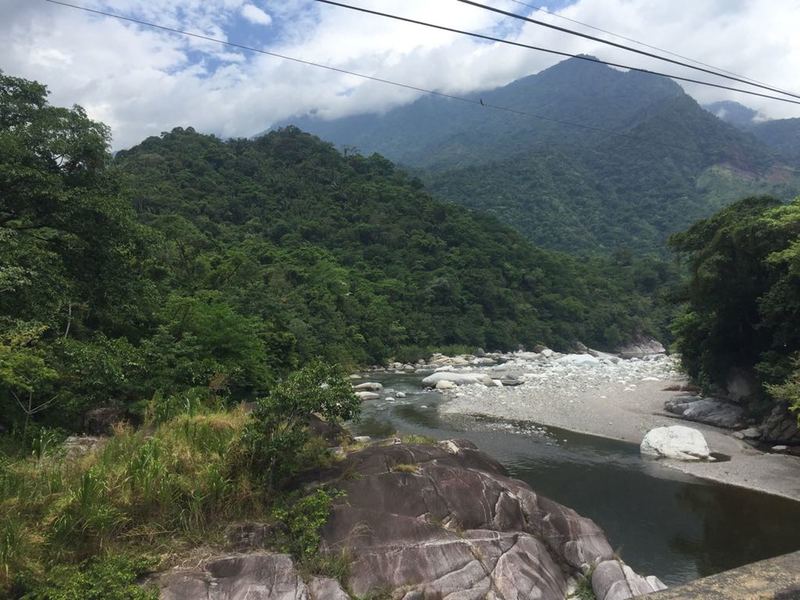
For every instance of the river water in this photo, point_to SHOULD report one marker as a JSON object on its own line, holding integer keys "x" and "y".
{"x": 661, "y": 522}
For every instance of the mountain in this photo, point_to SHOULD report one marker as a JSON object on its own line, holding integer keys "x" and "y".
{"x": 782, "y": 136}
{"x": 356, "y": 262}
{"x": 612, "y": 160}
{"x": 734, "y": 113}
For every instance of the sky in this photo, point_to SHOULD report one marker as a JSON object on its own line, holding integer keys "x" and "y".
{"x": 142, "y": 81}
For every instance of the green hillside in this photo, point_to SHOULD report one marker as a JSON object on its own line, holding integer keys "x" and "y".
{"x": 193, "y": 270}
{"x": 578, "y": 189}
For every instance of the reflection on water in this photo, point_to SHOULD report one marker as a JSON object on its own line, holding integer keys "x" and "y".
{"x": 661, "y": 521}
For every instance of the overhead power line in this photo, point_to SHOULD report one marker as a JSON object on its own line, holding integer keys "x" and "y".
{"x": 622, "y": 46}
{"x": 556, "y": 52}
{"x": 464, "y": 99}
{"x": 635, "y": 41}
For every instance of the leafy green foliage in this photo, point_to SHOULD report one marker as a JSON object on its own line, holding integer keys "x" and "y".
{"x": 169, "y": 487}
{"x": 112, "y": 577}
{"x": 743, "y": 296}
{"x": 578, "y": 189}
{"x": 277, "y": 443}
{"x": 303, "y": 517}
{"x": 191, "y": 272}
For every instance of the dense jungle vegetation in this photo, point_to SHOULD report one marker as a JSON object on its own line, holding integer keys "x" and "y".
{"x": 742, "y": 299}
{"x": 204, "y": 288}
{"x": 190, "y": 268}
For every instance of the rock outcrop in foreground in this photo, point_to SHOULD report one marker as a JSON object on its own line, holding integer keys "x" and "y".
{"x": 425, "y": 522}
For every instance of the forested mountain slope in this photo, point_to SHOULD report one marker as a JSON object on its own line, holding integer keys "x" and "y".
{"x": 354, "y": 259}
{"x": 782, "y": 136}
{"x": 190, "y": 270}
{"x": 667, "y": 163}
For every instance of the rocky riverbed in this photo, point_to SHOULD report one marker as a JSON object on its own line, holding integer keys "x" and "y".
{"x": 606, "y": 395}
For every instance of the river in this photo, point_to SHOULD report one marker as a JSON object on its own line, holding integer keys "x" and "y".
{"x": 660, "y": 522}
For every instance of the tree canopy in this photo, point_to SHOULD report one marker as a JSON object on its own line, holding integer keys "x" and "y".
{"x": 743, "y": 295}
{"x": 191, "y": 269}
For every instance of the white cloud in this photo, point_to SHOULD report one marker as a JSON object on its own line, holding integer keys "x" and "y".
{"x": 255, "y": 15}
{"x": 143, "y": 81}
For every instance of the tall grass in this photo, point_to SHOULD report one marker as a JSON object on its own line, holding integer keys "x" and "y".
{"x": 167, "y": 485}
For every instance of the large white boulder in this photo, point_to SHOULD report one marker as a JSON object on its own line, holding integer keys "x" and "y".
{"x": 369, "y": 386}
{"x": 677, "y": 441}
{"x": 457, "y": 378}
{"x": 579, "y": 359}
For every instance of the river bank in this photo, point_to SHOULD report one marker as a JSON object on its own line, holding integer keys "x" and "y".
{"x": 618, "y": 399}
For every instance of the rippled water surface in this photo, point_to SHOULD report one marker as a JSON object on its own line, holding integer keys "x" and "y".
{"x": 660, "y": 521}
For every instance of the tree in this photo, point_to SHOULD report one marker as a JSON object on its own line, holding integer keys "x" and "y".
{"x": 277, "y": 442}
{"x": 742, "y": 299}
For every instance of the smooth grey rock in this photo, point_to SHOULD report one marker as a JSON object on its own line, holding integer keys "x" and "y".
{"x": 401, "y": 394}
{"x": 76, "y": 446}
{"x": 369, "y": 386}
{"x": 579, "y": 359}
{"x": 457, "y": 378}
{"x": 677, "y": 441}
{"x": 256, "y": 576}
{"x": 614, "y": 580}
{"x": 331, "y": 432}
{"x": 713, "y": 412}
{"x": 751, "y": 433}
{"x": 325, "y": 588}
{"x": 445, "y": 384}
{"x": 780, "y": 427}
{"x": 367, "y": 395}
{"x": 641, "y": 348}
{"x": 457, "y": 527}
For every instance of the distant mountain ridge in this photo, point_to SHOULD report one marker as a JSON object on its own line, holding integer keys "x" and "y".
{"x": 612, "y": 159}
{"x": 781, "y": 135}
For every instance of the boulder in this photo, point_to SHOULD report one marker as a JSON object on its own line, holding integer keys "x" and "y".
{"x": 457, "y": 378}
{"x": 445, "y": 384}
{"x": 367, "y": 396}
{"x": 245, "y": 577}
{"x": 333, "y": 433}
{"x": 369, "y": 386}
{"x": 706, "y": 410}
{"x": 325, "y": 588}
{"x": 640, "y": 348}
{"x": 101, "y": 420}
{"x": 677, "y": 441}
{"x": 511, "y": 382}
{"x": 401, "y": 394}
{"x": 751, "y": 433}
{"x": 454, "y": 526}
{"x": 614, "y": 580}
{"x": 77, "y": 446}
{"x": 780, "y": 427}
{"x": 579, "y": 359}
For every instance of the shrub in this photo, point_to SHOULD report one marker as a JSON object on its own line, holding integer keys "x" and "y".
{"x": 277, "y": 444}
{"x": 112, "y": 577}
{"x": 303, "y": 517}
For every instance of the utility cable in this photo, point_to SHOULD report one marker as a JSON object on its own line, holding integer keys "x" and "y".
{"x": 632, "y": 40}
{"x": 551, "y": 51}
{"x": 622, "y": 46}
{"x": 464, "y": 99}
